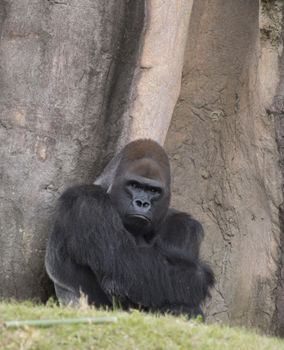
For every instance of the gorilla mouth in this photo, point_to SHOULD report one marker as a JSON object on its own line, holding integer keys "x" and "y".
{"x": 137, "y": 222}
{"x": 139, "y": 218}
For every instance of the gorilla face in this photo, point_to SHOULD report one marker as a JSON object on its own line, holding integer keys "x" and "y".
{"x": 141, "y": 195}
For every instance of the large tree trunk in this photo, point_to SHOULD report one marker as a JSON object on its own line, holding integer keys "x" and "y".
{"x": 225, "y": 158}
{"x": 64, "y": 66}
{"x": 80, "y": 78}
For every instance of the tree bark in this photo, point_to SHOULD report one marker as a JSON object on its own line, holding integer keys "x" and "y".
{"x": 157, "y": 80}
{"x": 225, "y": 158}
{"x": 64, "y": 65}
{"x": 80, "y": 78}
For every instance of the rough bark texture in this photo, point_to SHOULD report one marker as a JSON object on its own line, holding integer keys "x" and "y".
{"x": 158, "y": 73}
{"x": 80, "y": 78}
{"x": 272, "y": 29}
{"x": 65, "y": 74}
{"x": 225, "y": 158}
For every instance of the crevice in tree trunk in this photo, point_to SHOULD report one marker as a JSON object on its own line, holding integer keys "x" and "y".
{"x": 3, "y": 14}
{"x": 280, "y": 292}
{"x": 276, "y": 110}
{"x": 118, "y": 93}
{"x": 278, "y": 114}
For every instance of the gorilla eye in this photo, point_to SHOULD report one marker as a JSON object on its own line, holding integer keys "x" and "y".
{"x": 134, "y": 184}
{"x": 155, "y": 190}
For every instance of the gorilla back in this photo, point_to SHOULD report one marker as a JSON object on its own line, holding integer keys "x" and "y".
{"x": 119, "y": 240}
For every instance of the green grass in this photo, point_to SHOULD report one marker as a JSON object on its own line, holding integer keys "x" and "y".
{"x": 132, "y": 330}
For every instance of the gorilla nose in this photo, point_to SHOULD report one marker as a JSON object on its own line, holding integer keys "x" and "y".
{"x": 141, "y": 205}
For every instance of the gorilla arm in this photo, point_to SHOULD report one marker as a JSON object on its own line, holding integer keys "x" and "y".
{"x": 179, "y": 242}
{"x": 181, "y": 235}
{"x": 94, "y": 236}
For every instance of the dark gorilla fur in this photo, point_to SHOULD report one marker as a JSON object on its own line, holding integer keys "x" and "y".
{"x": 119, "y": 240}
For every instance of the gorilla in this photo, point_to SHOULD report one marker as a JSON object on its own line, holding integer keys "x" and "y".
{"x": 118, "y": 241}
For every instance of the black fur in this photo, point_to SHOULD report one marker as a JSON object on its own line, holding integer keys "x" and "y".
{"x": 91, "y": 251}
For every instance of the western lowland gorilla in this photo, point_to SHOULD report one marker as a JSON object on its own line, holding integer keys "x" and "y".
{"x": 118, "y": 240}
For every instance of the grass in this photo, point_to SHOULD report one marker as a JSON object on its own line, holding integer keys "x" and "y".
{"x": 132, "y": 330}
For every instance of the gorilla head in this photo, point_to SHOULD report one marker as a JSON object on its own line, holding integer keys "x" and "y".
{"x": 140, "y": 189}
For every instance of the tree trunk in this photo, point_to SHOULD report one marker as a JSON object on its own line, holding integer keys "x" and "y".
{"x": 225, "y": 158}
{"x": 80, "y": 78}
{"x": 64, "y": 65}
